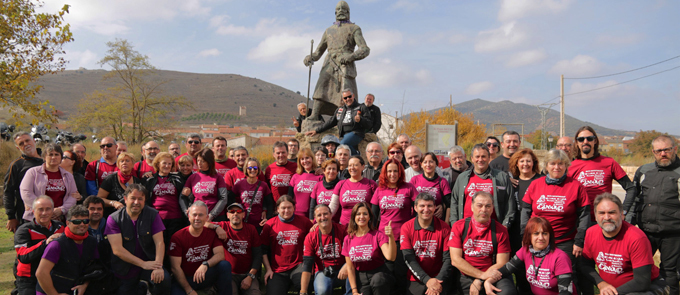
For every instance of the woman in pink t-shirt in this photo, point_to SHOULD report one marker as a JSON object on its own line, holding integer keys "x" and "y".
{"x": 258, "y": 204}
{"x": 351, "y": 191}
{"x": 430, "y": 182}
{"x": 323, "y": 190}
{"x": 163, "y": 189}
{"x": 206, "y": 186}
{"x": 546, "y": 267}
{"x": 365, "y": 250}
{"x": 303, "y": 181}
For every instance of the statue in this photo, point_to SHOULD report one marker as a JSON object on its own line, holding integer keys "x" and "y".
{"x": 338, "y": 71}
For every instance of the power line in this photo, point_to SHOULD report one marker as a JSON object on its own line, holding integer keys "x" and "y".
{"x": 615, "y": 74}
{"x": 622, "y": 82}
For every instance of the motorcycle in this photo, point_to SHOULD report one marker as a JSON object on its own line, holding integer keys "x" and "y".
{"x": 6, "y": 131}
{"x": 68, "y": 138}
{"x": 39, "y": 133}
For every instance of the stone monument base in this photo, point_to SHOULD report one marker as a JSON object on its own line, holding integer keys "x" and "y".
{"x": 315, "y": 141}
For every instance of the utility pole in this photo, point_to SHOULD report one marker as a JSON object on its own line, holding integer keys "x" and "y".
{"x": 546, "y": 108}
{"x": 561, "y": 105}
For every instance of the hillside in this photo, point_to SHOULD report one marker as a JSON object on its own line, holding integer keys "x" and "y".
{"x": 488, "y": 113}
{"x": 265, "y": 102}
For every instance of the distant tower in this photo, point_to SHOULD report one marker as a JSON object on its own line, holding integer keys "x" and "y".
{"x": 242, "y": 111}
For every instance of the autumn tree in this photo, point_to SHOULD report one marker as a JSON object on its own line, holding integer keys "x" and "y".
{"x": 136, "y": 108}
{"x": 30, "y": 45}
{"x": 469, "y": 133}
{"x": 642, "y": 144}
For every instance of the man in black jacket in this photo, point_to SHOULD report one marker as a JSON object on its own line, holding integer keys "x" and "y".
{"x": 352, "y": 120}
{"x": 376, "y": 115}
{"x": 303, "y": 113}
{"x": 14, "y": 205}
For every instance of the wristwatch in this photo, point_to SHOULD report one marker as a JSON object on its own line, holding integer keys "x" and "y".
{"x": 206, "y": 263}
{"x": 252, "y": 276}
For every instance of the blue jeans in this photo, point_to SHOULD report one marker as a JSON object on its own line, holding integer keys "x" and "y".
{"x": 352, "y": 140}
{"x": 218, "y": 275}
{"x": 131, "y": 286}
{"x": 324, "y": 285}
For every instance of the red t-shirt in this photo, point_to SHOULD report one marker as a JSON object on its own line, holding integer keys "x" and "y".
{"x": 596, "y": 175}
{"x": 352, "y": 193}
{"x": 104, "y": 170}
{"x": 477, "y": 184}
{"x": 331, "y": 255}
{"x": 324, "y": 196}
{"x": 558, "y": 204}
{"x": 429, "y": 246}
{"x": 206, "y": 188}
{"x": 144, "y": 169}
{"x": 278, "y": 178}
{"x": 56, "y": 188}
{"x": 616, "y": 258}
{"x": 224, "y": 167}
{"x": 166, "y": 199}
{"x": 478, "y": 246}
{"x": 244, "y": 194}
{"x": 302, "y": 185}
{"x": 285, "y": 241}
{"x": 437, "y": 188}
{"x": 195, "y": 169}
{"x": 235, "y": 175}
{"x": 193, "y": 250}
{"x": 238, "y": 248}
{"x": 549, "y": 267}
{"x": 365, "y": 251}
{"x": 395, "y": 206}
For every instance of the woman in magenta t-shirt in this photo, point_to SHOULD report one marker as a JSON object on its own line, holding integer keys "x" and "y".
{"x": 351, "y": 191}
{"x": 303, "y": 181}
{"x": 257, "y": 204}
{"x": 164, "y": 188}
{"x": 431, "y": 182}
{"x": 365, "y": 249}
{"x": 206, "y": 186}
{"x": 546, "y": 267}
{"x": 323, "y": 190}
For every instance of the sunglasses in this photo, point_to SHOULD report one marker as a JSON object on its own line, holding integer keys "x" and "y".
{"x": 253, "y": 168}
{"x": 395, "y": 152}
{"x": 584, "y": 138}
{"x": 491, "y": 144}
{"x": 347, "y": 97}
{"x": 108, "y": 145}
{"x": 79, "y": 221}
{"x": 66, "y": 157}
{"x": 193, "y": 142}
{"x": 235, "y": 211}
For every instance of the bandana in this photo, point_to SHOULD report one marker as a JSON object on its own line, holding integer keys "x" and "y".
{"x": 124, "y": 179}
{"x": 555, "y": 181}
{"x": 481, "y": 227}
{"x": 73, "y": 236}
{"x": 537, "y": 253}
{"x": 330, "y": 185}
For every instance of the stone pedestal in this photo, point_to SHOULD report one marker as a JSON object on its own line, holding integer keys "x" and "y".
{"x": 315, "y": 141}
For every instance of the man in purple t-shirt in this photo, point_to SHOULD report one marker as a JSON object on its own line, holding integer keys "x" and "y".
{"x": 136, "y": 236}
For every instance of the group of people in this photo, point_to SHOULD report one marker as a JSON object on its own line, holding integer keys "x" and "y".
{"x": 316, "y": 220}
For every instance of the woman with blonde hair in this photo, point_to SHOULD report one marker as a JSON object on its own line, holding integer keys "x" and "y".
{"x": 113, "y": 186}
{"x": 164, "y": 188}
{"x": 303, "y": 181}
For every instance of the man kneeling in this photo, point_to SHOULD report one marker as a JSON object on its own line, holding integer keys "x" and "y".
{"x": 191, "y": 249}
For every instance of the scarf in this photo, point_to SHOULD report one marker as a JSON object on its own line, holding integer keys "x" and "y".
{"x": 555, "y": 181}
{"x": 222, "y": 161}
{"x": 433, "y": 178}
{"x": 481, "y": 227}
{"x": 286, "y": 220}
{"x": 330, "y": 185}
{"x": 73, "y": 236}
{"x": 539, "y": 253}
{"x": 124, "y": 179}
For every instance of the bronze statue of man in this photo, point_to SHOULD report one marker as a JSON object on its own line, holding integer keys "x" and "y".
{"x": 338, "y": 71}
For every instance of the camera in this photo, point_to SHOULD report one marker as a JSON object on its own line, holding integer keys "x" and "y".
{"x": 328, "y": 271}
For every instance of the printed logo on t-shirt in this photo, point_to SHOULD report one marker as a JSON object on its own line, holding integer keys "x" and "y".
{"x": 361, "y": 253}
{"x": 205, "y": 187}
{"x": 106, "y": 173}
{"x": 542, "y": 280}
{"x": 172, "y": 245}
{"x": 324, "y": 197}
{"x": 288, "y": 237}
{"x": 246, "y": 197}
{"x": 329, "y": 252}
{"x": 280, "y": 180}
{"x": 56, "y": 185}
{"x": 305, "y": 186}
{"x": 475, "y": 187}
{"x": 430, "y": 190}
{"x": 164, "y": 189}
{"x": 198, "y": 254}
{"x": 222, "y": 171}
{"x": 392, "y": 202}
{"x": 237, "y": 247}
{"x": 478, "y": 248}
{"x": 338, "y": 114}
{"x": 348, "y": 118}
{"x": 354, "y": 196}
{"x": 610, "y": 263}
{"x": 424, "y": 249}
{"x": 591, "y": 177}
{"x": 551, "y": 203}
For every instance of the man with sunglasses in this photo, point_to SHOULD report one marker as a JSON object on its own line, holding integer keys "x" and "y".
{"x": 64, "y": 260}
{"x": 657, "y": 191}
{"x": 494, "y": 146}
{"x": 510, "y": 145}
{"x": 144, "y": 166}
{"x": 14, "y": 205}
{"x": 242, "y": 249}
{"x": 352, "y": 120}
{"x": 98, "y": 170}
{"x": 194, "y": 146}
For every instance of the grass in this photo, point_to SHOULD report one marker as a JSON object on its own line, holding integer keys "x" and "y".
{"x": 7, "y": 256}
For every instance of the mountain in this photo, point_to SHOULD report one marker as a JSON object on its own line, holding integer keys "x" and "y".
{"x": 265, "y": 103}
{"x": 487, "y": 112}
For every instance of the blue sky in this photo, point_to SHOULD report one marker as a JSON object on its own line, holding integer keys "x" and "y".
{"x": 422, "y": 51}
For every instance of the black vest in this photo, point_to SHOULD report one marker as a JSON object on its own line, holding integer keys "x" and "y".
{"x": 144, "y": 236}
{"x": 71, "y": 264}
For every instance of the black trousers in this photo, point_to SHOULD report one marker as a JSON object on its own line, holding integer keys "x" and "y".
{"x": 583, "y": 285}
{"x": 281, "y": 282}
{"x": 506, "y": 285}
{"x": 419, "y": 288}
{"x": 25, "y": 286}
{"x": 400, "y": 272}
{"x": 668, "y": 245}
{"x": 378, "y": 281}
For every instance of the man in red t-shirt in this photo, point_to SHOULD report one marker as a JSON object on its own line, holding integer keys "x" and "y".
{"x": 222, "y": 163}
{"x": 279, "y": 173}
{"x": 96, "y": 171}
{"x": 197, "y": 256}
{"x": 622, "y": 252}
{"x": 149, "y": 150}
{"x": 193, "y": 145}
{"x": 480, "y": 245}
{"x": 424, "y": 245}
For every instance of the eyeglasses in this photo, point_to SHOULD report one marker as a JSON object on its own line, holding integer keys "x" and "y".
{"x": 66, "y": 157}
{"x": 235, "y": 211}
{"x": 564, "y": 145}
{"x": 79, "y": 221}
{"x": 153, "y": 149}
{"x": 80, "y": 152}
{"x": 108, "y": 145}
{"x": 583, "y": 138}
{"x": 666, "y": 150}
{"x": 347, "y": 97}
{"x": 193, "y": 142}
{"x": 395, "y": 152}
{"x": 253, "y": 168}
{"x": 491, "y": 144}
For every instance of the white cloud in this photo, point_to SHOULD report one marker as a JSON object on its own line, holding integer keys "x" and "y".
{"x": 516, "y": 9}
{"x": 525, "y": 58}
{"x": 264, "y": 27}
{"x": 507, "y": 36}
{"x": 81, "y": 59}
{"x": 578, "y": 66}
{"x": 382, "y": 41}
{"x": 479, "y": 87}
{"x": 282, "y": 47}
{"x": 386, "y": 73}
{"x": 209, "y": 52}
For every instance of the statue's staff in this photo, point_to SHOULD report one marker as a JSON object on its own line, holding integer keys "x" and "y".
{"x": 309, "y": 80}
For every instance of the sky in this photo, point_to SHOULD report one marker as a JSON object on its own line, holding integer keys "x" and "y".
{"x": 422, "y": 52}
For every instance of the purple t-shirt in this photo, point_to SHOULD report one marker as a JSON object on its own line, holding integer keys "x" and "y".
{"x": 437, "y": 188}
{"x": 244, "y": 194}
{"x": 303, "y": 185}
{"x": 554, "y": 264}
{"x": 53, "y": 252}
{"x": 395, "y": 206}
{"x": 365, "y": 251}
{"x": 206, "y": 188}
{"x": 113, "y": 228}
{"x": 351, "y": 193}
{"x": 324, "y": 196}
{"x": 166, "y": 199}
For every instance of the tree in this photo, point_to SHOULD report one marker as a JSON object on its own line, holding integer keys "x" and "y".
{"x": 135, "y": 108}
{"x": 469, "y": 133}
{"x": 642, "y": 144}
{"x": 30, "y": 44}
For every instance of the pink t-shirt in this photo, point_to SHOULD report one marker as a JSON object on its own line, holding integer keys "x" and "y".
{"x": 303, "y": 185}
{"x": 437, "y": 188}
{"x": 244, "y": 194}
{"x": 206, "y": 188}
{"x": 596, "y": 175}
{"x": 542, "y": 272}
{"x": 286, "y": 241}
{"x": 166, "y": 199}
{"x": 324, "y": 196}
{"x": 476, "y": 184}
{"x": 56, "y": 188}
{"x": 137, "y": 170}
{"x": 352, "y": 193}
{"x": 279, "y": 177}
{"x": 365, "y": 251}
{"x": 395, "y": 206}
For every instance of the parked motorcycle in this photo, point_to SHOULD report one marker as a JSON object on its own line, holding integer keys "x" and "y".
{"x": 68, "y": 138}
{"x": 39, "y": 133}
{"x": 6, "y": 131}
